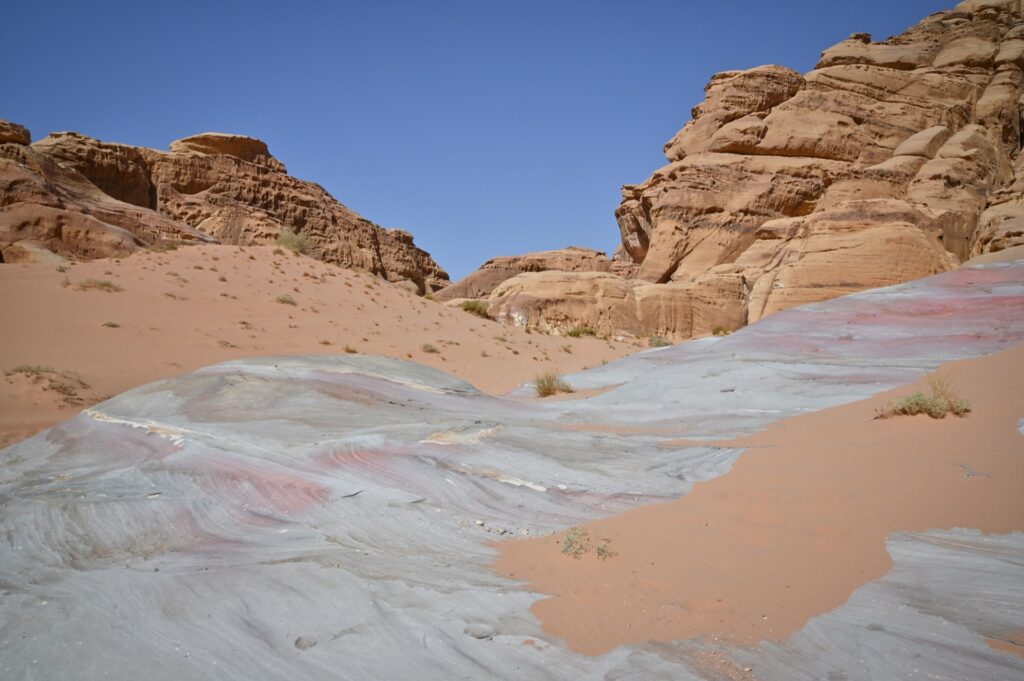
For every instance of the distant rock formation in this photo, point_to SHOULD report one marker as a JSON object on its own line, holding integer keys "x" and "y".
{"x": 887, "y": 162}
{"x": 76, "y": 196}
{"x": 483, "y": 281}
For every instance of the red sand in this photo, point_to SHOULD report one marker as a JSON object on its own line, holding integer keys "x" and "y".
{"x": 200, "y": 305}
{"x": 794, "y": 528}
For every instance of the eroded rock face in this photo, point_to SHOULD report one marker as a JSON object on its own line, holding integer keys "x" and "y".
{"x": 888, "y": 162}
{"x": 80, "y": 197}
{"x": 488, "y": 277}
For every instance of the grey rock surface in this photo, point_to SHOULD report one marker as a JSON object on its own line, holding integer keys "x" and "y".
{"x": 332, "y": 517}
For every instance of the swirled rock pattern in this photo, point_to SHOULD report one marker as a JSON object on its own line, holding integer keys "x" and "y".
{"x": 889, "y": 161}
{"x": 330, "y": 517}
{"x": 79, "y": 197}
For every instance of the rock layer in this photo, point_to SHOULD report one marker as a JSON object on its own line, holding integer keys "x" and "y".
{"x": 486, "y": 279}
{"x": 80, "y": 197}
{"x": 888, "y": 162}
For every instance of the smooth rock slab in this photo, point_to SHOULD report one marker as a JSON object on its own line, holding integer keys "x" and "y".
{"x": 204, "y": 526}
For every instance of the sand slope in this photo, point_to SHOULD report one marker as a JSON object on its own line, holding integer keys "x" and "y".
{"x": 180, "y": 310}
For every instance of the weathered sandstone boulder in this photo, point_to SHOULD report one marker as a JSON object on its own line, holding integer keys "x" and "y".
{"x": 81, "y": 197}
{"x": 483, "y": 281}
{"x": 889, "y": 161}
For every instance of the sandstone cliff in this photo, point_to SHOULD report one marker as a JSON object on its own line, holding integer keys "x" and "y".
{"x": 75, "y": 196}
{"x": 889, "y": 161}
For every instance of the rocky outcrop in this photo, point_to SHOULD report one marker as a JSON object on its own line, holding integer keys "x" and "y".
{"x": 488, "y": 277}
{"x": 12, "y": 133}
{"x": 889, "y": 161}
{"x": 80, "y": 197}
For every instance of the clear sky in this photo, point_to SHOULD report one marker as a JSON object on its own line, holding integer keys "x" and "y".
{"x": 485, "y": 128}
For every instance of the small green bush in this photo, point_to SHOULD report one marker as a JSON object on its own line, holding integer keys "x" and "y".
{"x": 658, "y": 342}
{"x": 550, "y": 383}
{"x": 721, "y": 331}
{"x": 477, "y": 307}
{"x": 286, "y": 300}
{"x": 578, "y": 331}
{"x": 293, "y": 241}
{"x": 943, "y": 400}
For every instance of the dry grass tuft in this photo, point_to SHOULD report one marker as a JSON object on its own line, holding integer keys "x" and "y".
{"x": 477, "y": 307}
{"x": 550, "y": 383}
{"x": 577, "y": 331}
{"x": 292, "y": 241}
{"x": 99, "y": 285}
{"x": 943, "y": 400}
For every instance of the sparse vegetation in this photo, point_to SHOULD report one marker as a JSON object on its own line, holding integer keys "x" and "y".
{"x": 943, "y": 400}
{"x": 551, "y": 383}
{"x": 577, "y": 331}
{"x": 286, "y": 300}
{"x": 429, "y": 349}
{"x": 576, "y": 542}
{"x": 61, "y": 268}
{"x": 293, "y": 241}
{"x": 112, "y": 325}
{"x": 99, "y": 285}
{"x": 477, "y": 307}
{"x": 350, "y": 350}
{"x": 658, "y": 342}
{"x": 721, "y": 331}
{"x": 64, "y": 383}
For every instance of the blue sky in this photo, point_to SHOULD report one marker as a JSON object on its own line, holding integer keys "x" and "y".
{"x": 485, "y": 128}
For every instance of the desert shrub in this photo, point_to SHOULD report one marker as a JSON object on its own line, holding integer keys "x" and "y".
{"x": 286, "y": 300}
{"x": 99, "y": 285}
{"x": 112, "y": 325}
{"x": 350, "y": 350}
{"x": 658, "y": 342}
{"x": 550, "y": 383}
{"x": 578, "y": 331}
{"x": 477, "y": 307}
{"x": 576, "y": 542}
{"x": 721, "y": 331}
{"x": 429, "y": 349}
{"x": 942, "y": 400}
{"x": 293, "y": 241}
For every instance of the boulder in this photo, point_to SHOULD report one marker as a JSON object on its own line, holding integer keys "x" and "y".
{"x": 489, "y": 276}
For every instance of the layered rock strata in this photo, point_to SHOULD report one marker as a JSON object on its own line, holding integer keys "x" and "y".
{"x": 889, "y": 161}
{"x": 78, "y": 197}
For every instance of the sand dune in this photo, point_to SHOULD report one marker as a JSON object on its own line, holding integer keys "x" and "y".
{"x": 179, "y": 310}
